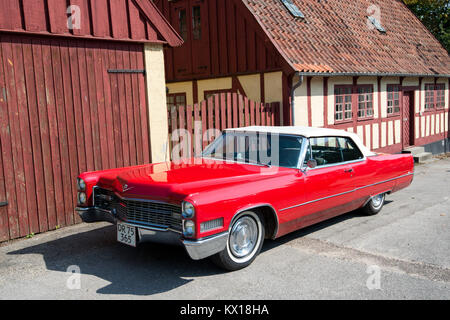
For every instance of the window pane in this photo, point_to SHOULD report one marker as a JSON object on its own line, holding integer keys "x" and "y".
{"x": 325, "y": 151}
{"x": 350, "y": 151}
{"x": 253, "y": 148}
{"x": 196, "y": 23}
{"x": 183, "y": 24}
{"x": 343, "y": 100}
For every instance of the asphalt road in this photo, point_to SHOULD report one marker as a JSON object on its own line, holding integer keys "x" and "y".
{"x": 402, "y": 253}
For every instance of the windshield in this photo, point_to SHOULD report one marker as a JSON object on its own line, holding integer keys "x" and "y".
{"x": 256, "y": 148}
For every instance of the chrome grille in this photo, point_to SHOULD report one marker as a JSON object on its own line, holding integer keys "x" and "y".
{"x": 150, "y": 213}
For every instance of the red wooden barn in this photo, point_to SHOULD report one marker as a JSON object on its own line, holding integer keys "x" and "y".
{"x": 77, "y": 78}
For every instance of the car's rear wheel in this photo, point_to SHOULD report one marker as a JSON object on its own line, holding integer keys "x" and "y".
{"x": 245, "y": 240}
{"x": 374, "y": 205}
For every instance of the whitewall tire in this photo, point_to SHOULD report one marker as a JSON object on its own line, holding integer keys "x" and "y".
{"x": 245, "y": 240}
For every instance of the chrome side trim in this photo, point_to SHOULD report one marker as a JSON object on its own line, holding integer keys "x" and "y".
{"x": 339, "y": 164}
{"x": 388, "y": 180}
{"x": 312, "y": 201}
{"x": 347, "y": 192}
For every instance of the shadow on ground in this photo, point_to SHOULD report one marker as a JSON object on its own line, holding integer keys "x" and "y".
{"x": 146, "y": 270}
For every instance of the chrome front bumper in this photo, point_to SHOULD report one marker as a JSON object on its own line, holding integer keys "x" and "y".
{"x": 196, "y": 249}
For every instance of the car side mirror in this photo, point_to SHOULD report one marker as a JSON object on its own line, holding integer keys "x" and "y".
{"x": 311, "y": 164}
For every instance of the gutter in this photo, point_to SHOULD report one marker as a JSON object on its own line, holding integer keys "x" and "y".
{"x": 298, "y": 84}
{"x": 373, "y": 74}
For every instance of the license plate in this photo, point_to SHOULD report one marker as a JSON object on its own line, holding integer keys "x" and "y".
{"x": 126, "y": 234}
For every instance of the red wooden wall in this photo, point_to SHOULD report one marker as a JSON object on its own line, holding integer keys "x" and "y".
{"x": 62, "y": 113}
{"x": 126, "y": 20}
{"x": 232, "y": 41}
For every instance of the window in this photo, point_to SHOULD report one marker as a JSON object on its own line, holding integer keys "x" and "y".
{"x": 256, "y": 148}
{"x": 176, "y": 99}
{"x": 440, "y": 96}
{"x": 333, "y": 150}
{"x": 183, "y": 24}
{"x": 293, "y": 9}
{"x": 429, "y": 96}
{"x": 349, "y": 149}
{"x": 365, "y": 102}
{"x": 393, "y": 99}
{"x": 434, "y": 96}
{"x": 196, "y": 23}
{"x": 343, "y": 103}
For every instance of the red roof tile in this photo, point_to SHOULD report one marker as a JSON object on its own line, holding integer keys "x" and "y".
{"x": 335, "y": 37}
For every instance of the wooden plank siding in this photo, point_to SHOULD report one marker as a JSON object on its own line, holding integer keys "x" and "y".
{"x": 124, "y": 20}
{"x": 219, "y": 112}
{"x": 232, "y": 42}
{"x": 62, "y": 113}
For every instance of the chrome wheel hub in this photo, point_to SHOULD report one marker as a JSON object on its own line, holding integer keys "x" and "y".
{"x": 243, "y": 237}
{"x": 377, "y": 201}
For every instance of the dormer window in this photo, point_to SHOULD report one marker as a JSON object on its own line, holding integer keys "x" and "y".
{"x": 293, "y": 9}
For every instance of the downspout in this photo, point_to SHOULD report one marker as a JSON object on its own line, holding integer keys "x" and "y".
{"x": 298, "y": 84}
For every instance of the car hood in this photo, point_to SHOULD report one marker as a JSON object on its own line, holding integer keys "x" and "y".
{"x": 176, "y": 181}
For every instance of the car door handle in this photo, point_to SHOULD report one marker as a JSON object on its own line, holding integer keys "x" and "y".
{"x": 348, "y": 170}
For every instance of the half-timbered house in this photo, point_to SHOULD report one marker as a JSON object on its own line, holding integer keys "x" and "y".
{"x": 370, "y": 67}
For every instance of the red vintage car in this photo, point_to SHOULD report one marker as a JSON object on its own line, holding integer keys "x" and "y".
{"x": 250, "y": 184}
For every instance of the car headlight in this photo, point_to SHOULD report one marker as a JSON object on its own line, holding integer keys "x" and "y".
{"x": 81, "y": 184}
{"x": 188, "y": 210}
{"x": 82, "y": 198}
{"x": 189, "y": 228}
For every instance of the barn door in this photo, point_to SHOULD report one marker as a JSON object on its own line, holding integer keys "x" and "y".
{"x": 63, "y": 112}
{"x": 408, "y": 119}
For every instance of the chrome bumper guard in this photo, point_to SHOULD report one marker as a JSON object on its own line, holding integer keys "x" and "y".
{"x": 92, "y": 214}
{"x": 204, "y": 248}
{"x": 196, "y": 249}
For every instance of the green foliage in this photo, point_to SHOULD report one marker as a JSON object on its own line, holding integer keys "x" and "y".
{"x": 435, "y": 15}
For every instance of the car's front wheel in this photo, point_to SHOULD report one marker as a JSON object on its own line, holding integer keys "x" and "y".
{"x": 245, "y": 240}
{"x": 374, "y": 205}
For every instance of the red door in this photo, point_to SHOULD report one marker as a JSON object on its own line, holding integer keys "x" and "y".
{"x": 408, "y": 119}
{"x": 66, "y": 106}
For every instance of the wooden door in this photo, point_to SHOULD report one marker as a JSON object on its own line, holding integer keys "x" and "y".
{"x": 66, "y": 106}
{"x": 408, "y": 119}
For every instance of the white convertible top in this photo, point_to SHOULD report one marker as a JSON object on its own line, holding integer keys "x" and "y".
{"x": 309, "y": 132}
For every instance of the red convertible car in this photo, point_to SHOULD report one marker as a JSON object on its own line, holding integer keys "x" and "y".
{"x": 250, "y": 184}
